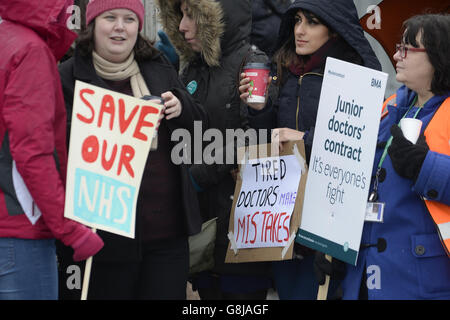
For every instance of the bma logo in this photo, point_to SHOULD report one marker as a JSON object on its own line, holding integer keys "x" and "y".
{"x": 376, "y": 83}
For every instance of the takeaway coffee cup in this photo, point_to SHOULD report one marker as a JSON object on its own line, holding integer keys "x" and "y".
{"x": 258, "y": 73}
{"x": 411, "y": 128}
{"x": 154, "y": 145}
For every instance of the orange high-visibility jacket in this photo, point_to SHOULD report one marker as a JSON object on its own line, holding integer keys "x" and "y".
{"x": 438, "y": 139}
{"x": 437, "y": 135}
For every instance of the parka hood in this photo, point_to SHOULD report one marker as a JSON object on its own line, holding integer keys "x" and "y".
{"x": 221, "y": 24}
{"x": 342, "y": 17}
{"x": 47, "y": 18}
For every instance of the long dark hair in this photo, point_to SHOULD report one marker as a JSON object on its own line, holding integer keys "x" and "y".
{"x": 435, "y": 37}
{"x": 143, "y": 48}
{"x": 286, "y": 55}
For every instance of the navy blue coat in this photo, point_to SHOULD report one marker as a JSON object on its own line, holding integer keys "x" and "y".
{"x": 294, "y": 105}
{"x": 413, "y": 264}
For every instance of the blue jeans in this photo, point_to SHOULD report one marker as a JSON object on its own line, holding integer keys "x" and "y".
{"x": 28, "y": 269}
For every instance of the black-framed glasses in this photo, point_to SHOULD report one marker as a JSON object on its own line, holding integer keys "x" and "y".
{"x": 400, "y": 47}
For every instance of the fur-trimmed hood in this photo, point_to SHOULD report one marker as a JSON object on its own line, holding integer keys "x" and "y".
{"x": 221, "y": 24}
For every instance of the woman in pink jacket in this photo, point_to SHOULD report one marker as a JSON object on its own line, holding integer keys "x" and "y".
{"x": 33, "y": 159}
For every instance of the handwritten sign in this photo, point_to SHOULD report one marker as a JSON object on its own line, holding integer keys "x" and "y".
{"x": 342, "y": 159}
{"x": 265, "y": 213}
{"x": 110, "y": 140}
{"x": 266, "y": 202}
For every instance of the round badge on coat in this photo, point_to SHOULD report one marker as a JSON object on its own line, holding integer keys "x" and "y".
{"x": 192, "y": 86}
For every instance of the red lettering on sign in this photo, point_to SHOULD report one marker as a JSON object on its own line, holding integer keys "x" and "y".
{"x": 274, "y": 229}
{"x": 279, "y": 226}
{"x": 87, "y": 104}
{"x": 241, "y": 225}
{"x": 107, "y": 106}
{"x": 264, "y": 223}
{"x": 142, "y": 123}
{"x": 90, "y": 149}
{"x": 124, "y": 123}
{"x": 107, "y": 164}
{"x": 126, "y": 155}
{"x": 286, "y": 228}
{"x": 255, "y": 226}
{"x": 268, "y": 227}
{"x": 248, "y": 222}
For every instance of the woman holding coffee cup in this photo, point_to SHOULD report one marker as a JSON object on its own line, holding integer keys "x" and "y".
{"x": 411, "y": 180}
{"x": 311, "y": 31}
{"x": 111, "y": 53}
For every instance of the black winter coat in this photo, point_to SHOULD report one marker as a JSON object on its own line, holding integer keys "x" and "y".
{"x": 212, "y": 76}
{"x": 266, "y": 20}
{"x": 160, "y": 76}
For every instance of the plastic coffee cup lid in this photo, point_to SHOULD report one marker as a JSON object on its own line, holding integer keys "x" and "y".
{"x": 256, "y": 65}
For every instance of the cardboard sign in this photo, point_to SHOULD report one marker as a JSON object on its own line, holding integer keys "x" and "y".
{"x": 342, "y": 158}
{"x": 110, "y": 140}
{"x": 266, "y": 206}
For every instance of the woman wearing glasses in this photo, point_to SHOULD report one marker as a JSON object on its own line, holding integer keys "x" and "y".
{"x": 405, "y": 256}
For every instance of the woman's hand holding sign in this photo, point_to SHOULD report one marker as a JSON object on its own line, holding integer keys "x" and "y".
{"x": 281, "y": 135}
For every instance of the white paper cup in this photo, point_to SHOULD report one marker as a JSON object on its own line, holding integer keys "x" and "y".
{"x": 411, "y": 128}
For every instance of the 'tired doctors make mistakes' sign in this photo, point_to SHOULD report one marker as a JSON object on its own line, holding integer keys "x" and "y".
{"x": 110, "y": 140}
{"x": 266, "y": 202}
{"x": 269, "y": 192}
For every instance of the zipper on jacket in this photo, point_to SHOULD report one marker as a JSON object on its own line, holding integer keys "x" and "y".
{"x": 300, "y": 79}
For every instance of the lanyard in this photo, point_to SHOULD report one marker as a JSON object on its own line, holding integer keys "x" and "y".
{"x": 374, "y": 194}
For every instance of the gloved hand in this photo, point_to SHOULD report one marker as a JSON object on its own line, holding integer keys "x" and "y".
{"x": 87, "y": 246}
{"x": 335, "y": 269}
{"x": 166, "y": 47}
{"x": 300, "y": 252}
{"x": 407, "y": 158}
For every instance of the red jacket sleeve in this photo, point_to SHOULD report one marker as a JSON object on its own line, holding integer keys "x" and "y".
{"x": 33, "y": 111}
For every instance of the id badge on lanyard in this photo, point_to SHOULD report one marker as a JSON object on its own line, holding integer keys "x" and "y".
{"x": 374, "y": 212}
{"x": 375, "y": 209}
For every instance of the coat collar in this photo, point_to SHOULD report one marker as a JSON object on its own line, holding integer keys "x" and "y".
{"x": 84, "y": 70}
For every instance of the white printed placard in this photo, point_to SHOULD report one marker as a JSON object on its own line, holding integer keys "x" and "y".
{"x": 341, "y": 160}
{"x": 110, "y": 140}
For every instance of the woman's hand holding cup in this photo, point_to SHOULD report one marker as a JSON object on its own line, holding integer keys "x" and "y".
{"x": 245, "y": 89}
